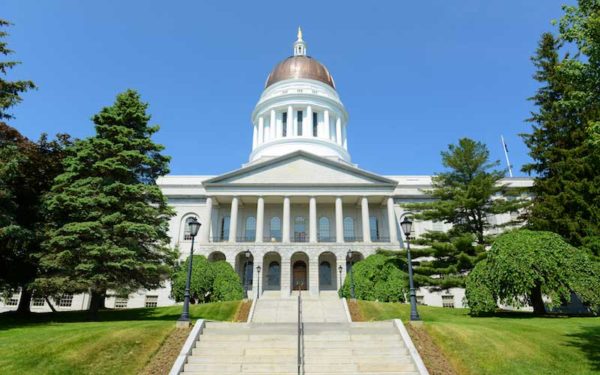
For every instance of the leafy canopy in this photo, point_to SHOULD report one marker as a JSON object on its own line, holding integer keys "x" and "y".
{"x": 524, "y": 265}
{"x": 376, "y": 278}
{"x": 210, "y": 282}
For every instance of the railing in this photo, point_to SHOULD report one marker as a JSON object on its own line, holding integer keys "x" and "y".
{"x": 380, "y": 239}
{"x": 353, "y": 238}
{"x": 272, "y": 238}
{"x": 219, "y": 239}
{"x": 246, "y": 239}
{"x": 300, "y": 333}
{"x": 326, "y": 239}
{"x": 300, "y": 237}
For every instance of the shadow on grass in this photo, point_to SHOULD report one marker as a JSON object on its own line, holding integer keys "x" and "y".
{"x": 588, "y": 341}
{"x": 11, "y": 319}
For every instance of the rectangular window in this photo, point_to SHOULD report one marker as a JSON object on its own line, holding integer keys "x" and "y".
{"x": 121, "y": 302}
{"x": 13, "y": 300}
{"x": 38, "y": 301}
{"x": 66, "y": 300}
{"x": 224, "y": 228}
{"x": 284, "y": 124}
{"x": 151, "y": 301}
{"x": 315, "y": 128}
{"x": 448, "y": 301}
{"x": 299, "y": 118}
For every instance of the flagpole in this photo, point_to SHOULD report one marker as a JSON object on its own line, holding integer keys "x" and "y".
{"x": 506, "y": 155}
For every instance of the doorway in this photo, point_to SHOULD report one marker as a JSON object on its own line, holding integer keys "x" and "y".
{"x": 299, "y": 276}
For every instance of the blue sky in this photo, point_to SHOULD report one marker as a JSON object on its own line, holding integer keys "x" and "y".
{"x": 414, "y": 76}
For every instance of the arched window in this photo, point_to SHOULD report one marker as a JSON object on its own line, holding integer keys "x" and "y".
{"x": 374, "y": 227}
{"x": 315, "y": 128}
{"x": 224, "y": 233}
{"x": 273, "y": 274}
{"x": 251, "y": 228}
{"x": 324, "y": 229}
{"x": 349, "y": 229}
{"x": 275, "y": 229}
{"x": 324, "y": 274}
{"x": 299, "y": 229}
{"x": 187, "y": 235}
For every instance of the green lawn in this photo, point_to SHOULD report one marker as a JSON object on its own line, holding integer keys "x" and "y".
{"x": 65, "y": 343}
{"x": 509, "y": 343}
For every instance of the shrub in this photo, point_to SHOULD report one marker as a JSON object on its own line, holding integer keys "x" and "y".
{"x": 523, "y": 265}
{"x": 226, "y": 286}
{"x": 377, "y": 278}
{"x": 210, "y": 282}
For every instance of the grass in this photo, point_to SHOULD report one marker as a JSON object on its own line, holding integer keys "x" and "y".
{"x": 122, "y": 341}
{"x": 507, "y": 343}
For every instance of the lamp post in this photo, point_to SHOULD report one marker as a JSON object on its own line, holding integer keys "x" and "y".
{"x": 247, "y": 254}
{"x": 258, "y": 268}
{"x": 406, "y": 225}
{"x": 349, "y": 255}
{"x": 340, "y": 268}
{"x": 184, "y": 319}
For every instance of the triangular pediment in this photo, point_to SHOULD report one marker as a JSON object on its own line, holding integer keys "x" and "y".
{"x": 300, "y": 168}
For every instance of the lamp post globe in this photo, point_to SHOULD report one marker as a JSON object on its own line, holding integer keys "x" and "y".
{"x": 184, "y": 319}
{"x": 406, "y": 225}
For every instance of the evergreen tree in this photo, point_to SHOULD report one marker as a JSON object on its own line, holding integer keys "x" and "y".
{"x": 108, "y": 218}
{"x": 465, "y": 196}
{"x": 9, "y": 90}
{"x": 562, "y": 143}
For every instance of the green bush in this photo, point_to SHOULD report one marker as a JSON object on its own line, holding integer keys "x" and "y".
{"x": 226, "y": 286}
{"x": 210, "y": 282}
{"x": 377, "y": 278}
{"x": 523, "y": 266}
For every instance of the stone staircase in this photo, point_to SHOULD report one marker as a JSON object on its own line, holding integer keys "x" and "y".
{"x": 271, "y": 348}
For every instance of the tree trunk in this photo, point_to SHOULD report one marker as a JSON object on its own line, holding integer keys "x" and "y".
{"x": 49, "y": 304}
{"x": 96, "y": 303}
{"x": 24, "y": 302}
{"x": 536, "y": 300}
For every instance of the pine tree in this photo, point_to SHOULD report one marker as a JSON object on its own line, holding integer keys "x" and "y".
{"x": 465, "y": 196}
{"x": 566, "y": 159}
{"x": 9, "y": 90}
{"x": 108, "y": 218}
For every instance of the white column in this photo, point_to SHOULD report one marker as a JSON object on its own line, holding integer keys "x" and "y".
{"x": 260, "y": 219}
{"x": 392, "y": 220}
{"x": 254, "y": 136}
{"x": 326, "y": 126}
{"x": 286, "y": 275}
{"x": 308, "y": 123}
{"x": 233, "y": 218}
{"x": 313, "y": 276}
{"x": 205, "y": 235}
{"x": 341, "y": 261}
{"x": 291, "y": 128}
{"x": 312, "y": 219}
{"x": 261, "y": 130}
{"x": 364, "y": 205}
{"x": 285, "y": 233}
{"x": 339, "y": 220}
{"x": 273, "y": 125}
{"x": 338, "y": 131}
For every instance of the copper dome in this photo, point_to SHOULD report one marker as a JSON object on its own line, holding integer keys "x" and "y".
{"x": 300, "y": 67}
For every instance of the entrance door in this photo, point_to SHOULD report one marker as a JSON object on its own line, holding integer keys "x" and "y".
{"x": 299, "y": 276}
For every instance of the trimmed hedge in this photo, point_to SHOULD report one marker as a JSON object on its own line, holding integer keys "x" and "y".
{"x": 377, "y": 278}
{"x": 211, "y": 281}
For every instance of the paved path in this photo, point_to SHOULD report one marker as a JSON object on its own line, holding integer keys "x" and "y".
{"x": 285, "y": 310}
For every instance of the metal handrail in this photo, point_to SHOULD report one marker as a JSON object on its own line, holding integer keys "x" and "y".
{"x": 300, "y": 332}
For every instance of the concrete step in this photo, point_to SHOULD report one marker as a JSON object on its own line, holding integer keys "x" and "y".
{"x": 259, "y": 368}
